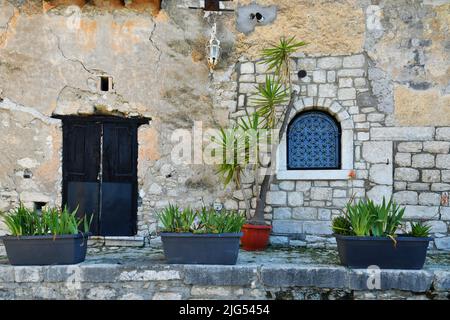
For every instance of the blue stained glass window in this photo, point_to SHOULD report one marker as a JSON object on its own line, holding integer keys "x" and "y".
{"x": 313, "y": 142}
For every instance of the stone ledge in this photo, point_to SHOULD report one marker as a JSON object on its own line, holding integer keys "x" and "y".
{"x": 276, "y": 275}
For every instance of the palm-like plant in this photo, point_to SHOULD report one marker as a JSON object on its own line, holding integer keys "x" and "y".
{"x": 278, "y": 56}
{"x": 272, "y": 94}
{"x": 230, "y": 150}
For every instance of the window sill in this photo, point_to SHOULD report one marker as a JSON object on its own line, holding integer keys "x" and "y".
{"x": 342, "y": 174}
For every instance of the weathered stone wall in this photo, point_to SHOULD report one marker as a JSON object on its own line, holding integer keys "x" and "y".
{"x": 380, "y": 66}
{"x": 162, "y": 282}
{"x": 50, "y": 63}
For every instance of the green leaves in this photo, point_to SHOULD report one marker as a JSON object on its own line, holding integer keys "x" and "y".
{"x": 26, "y": 222}
{"x": 365, "y": 218}
{"x": 206, "y": 220}
{"x": 270, "y": 95}
{"x": 277, "y": 57}
{"x": 360, "y": 217}
{"x": 387, "y": 218}
{"x": 420, "y": 229}
{"x": 341, "y": 225}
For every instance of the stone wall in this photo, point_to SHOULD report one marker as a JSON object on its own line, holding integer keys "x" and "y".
{"x": 159, "y": 282}
{"x": 384, "y": 158}
{"x": 380, "y": 67}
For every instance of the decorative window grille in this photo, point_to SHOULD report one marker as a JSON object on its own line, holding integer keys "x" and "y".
{"x": 313, "y": 142}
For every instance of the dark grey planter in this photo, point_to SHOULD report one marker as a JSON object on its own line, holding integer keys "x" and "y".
{"x": 361, "y": 252}
{"x": 188, "y": 248}
{"x": 45, "y": 250}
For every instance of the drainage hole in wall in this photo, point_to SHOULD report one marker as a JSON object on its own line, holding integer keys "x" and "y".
{"x": 301, "y": 74}
{"x": 258, "y": 16}
{"x": 39, "y": 205}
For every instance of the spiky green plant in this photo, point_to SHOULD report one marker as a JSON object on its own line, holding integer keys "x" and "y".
{"x": 341, "y": 225}
{"x": 231, "y": 153}
{"x": 365, "y": 218}
{"x": 277, "y": 57}
{"x": 420, "y": 229}
{"x": 26, "y": 222}
{"x": 174, "y": 219}
{"x": 212, "y": 221}
{"x": 387, "y": 217}
{"x": 206, "y": 220}
{"x": 271, "y": 94}
{"x": 360, "y": 217}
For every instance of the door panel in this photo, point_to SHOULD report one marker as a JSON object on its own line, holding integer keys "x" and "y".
{"x": 117, "y": 206}
{"x": 119, "y": 187}
{"x": 119, "y": 148}
{"x": 81, "y": 165}
{"x": 85, "y": 195}
{"x": 82, "y": 154}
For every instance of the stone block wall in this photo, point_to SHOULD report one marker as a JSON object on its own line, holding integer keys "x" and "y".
{"x": 422, "y": 182}
{"x": 405, "y": 162}
{"x": 192, "y": 282}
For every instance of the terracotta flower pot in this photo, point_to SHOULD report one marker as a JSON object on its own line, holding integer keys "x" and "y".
{"x": 255, "y": 237}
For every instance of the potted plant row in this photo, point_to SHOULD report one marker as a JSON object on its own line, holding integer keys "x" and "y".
{"x": 200, "y": 236}
{"x": 47, "y": 237}
{"x": 366, "y": 235}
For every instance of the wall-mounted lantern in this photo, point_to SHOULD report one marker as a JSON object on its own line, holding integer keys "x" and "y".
{"x": 213, "y": 49}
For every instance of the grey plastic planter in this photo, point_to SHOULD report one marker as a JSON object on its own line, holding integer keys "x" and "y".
{"x": 188, "y": 248}
{"x": 361, "y": 252}
{"x": 45, "y": 250}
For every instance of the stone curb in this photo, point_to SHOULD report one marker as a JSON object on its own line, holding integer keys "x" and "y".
{"x": 277, "y": 275}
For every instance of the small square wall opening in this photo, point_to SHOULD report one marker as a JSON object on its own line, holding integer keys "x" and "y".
{"x": 39, "y": 205}
{"x": 104, "y": 83}
{"x": 212, "y": 5}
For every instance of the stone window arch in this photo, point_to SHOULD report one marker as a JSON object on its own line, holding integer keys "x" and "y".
{"x": 329, "y": 110}
{"x": 313, "y": 141}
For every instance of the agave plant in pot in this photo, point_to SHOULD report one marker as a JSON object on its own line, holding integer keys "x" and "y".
{"x": 200, "y": 236}
{"x": 366, "y": 235}
{"x": 48, "y": 237}
{"x": 247, "y": 137}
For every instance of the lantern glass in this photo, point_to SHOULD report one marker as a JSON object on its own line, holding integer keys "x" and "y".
{"x": 214, "y": 53}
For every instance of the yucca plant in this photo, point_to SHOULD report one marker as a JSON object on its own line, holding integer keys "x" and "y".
{"x": 277, "y": 57}
{"x": 420, "y": 229}
{"x": 51, "y": 221}
{"x": 274, "y": 93}
{"x": 270, "y": 95}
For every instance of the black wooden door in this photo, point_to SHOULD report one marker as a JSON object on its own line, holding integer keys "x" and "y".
{"x": 118, "y": 187}
{"x": 99, "y": 173}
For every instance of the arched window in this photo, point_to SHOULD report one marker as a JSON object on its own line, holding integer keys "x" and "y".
{"x": 313, "y": 142}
